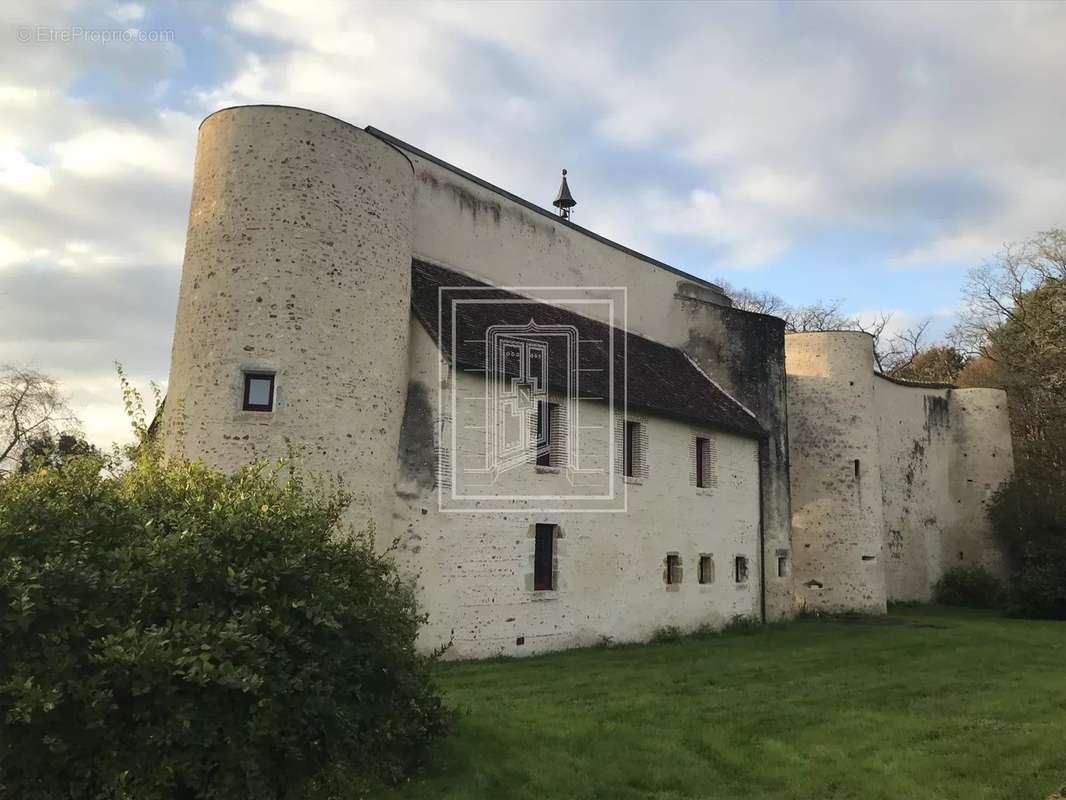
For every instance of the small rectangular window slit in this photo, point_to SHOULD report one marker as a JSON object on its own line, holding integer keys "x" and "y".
{"x": 544, "y": 558}
{"x": 740, "y": 569}
{"x": 706, "y": 569}
{"x": 673, "y": 569}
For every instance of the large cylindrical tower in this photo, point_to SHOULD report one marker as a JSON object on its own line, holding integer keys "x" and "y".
{"x": 292, "y": 321}
{"x": 837, "y": 514}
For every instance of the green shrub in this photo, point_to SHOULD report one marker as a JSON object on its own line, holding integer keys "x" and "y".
{"x": 743, "y": 624}
{"x": 666, "y": 634}
{"x": 971, "y": 587}
{"x": 1029, "y": 517}
{"x": 176, "y": 632}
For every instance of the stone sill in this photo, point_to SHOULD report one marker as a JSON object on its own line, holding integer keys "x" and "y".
{"x": 633, "y": 481}
{"x": 542, "y": 470}
{"x": 254, "y": 416}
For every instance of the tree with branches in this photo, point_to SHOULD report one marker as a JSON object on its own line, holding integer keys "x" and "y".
{"x": 31, "y": 404}
{"x": 1015, "y": 324}
{"x": 894, "y": 351}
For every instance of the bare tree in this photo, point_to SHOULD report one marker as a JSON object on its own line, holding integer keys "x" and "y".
{"x": 30, "y": 404}
{"x": 822, "y": 315}
{"x": 996, "y": 292}
{"x": 892, "y": 351}
{"x": 1014, "y": 323}
{"x": 749, "y": 300}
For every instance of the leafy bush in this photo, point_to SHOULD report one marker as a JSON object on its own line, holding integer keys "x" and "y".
{"x": 177, "y": 632}
{"x": 972, "y": 587}
{"x": 666, "y": 634}
{"x": 1029, "y": 517}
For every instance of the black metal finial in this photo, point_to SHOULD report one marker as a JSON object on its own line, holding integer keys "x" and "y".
{"x": 564, "y": 201}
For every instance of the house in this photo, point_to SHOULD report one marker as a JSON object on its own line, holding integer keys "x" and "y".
{"x": 565, "y": 439}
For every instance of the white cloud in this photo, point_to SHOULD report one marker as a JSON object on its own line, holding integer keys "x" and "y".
{"x": 116, "y": 151}
{"x": 19, "y": 174}
{"x": 127, "y": 12}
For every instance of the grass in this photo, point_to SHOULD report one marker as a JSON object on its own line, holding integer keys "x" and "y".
{"x": 930, "y": 703}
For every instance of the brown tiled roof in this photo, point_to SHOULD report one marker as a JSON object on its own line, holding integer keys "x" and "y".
{"x": 659, "y": 379}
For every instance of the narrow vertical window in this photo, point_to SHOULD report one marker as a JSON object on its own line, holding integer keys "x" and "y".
{"x": 740, "y": 569}
{"x": 702, "y": 448}
{"x": 706, "y": 569}
{"x": 856, "y": 468}
{"x": 258, "y": 391}
{"x": 544, "y": 434}
{"x": 782, "y": 566}
{"x": 673, "y": 569}
{"x": 630, "y": 449}
{"x": 544, "y": 558}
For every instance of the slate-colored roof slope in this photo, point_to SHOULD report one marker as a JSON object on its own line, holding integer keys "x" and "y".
{"x": 659, "y": 379}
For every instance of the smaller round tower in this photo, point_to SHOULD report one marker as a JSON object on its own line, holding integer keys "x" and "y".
{"x": 293, "y": 311}
{"x": 981, "y": 460}
{"x": 837, "y": 515}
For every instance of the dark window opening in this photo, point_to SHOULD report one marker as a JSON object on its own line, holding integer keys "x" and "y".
{"x": 706, "y": 569}
{"x": 544, "y": 558}
{"x": 740, "y": 569}
{"x": 856, "y": 467}
{"x": 629, "y": 455}
{"x": 520, "y": 640}
{"x": 258, "y": 391}
{"x": 703, "y": 446}
{"x": 869, "y": 558}
{"x": 673, "y": 568}
{"x": 545, "y": 412}
{"x": 782, "y": 566}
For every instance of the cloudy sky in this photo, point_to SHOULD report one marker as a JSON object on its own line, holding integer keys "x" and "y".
{"x": 868, "y": 152}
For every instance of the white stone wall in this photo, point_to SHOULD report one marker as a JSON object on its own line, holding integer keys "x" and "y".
{"x": 916, "y": 445}
{"x": 475, "y": 571}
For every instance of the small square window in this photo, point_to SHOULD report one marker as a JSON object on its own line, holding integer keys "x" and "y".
{"x": 740, "y": 569}
{"x": 673, "y": 569}
{"x": 706, "y": 569}
{"x": 258, "y": 391}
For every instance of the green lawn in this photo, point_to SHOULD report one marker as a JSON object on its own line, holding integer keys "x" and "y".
{"x": 937, "y": 704}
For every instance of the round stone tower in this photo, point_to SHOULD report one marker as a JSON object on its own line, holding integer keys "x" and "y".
{"x": 981, "y": 460}
{"x": 292, "y": 320}
{"x": 837, "y": 515}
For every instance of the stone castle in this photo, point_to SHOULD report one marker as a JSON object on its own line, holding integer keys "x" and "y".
{"x": 564, "y": 439}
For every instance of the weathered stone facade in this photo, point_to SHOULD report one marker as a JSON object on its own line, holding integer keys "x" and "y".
{"x": 889, "y": 479}
{"x": 302, "y": 235}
